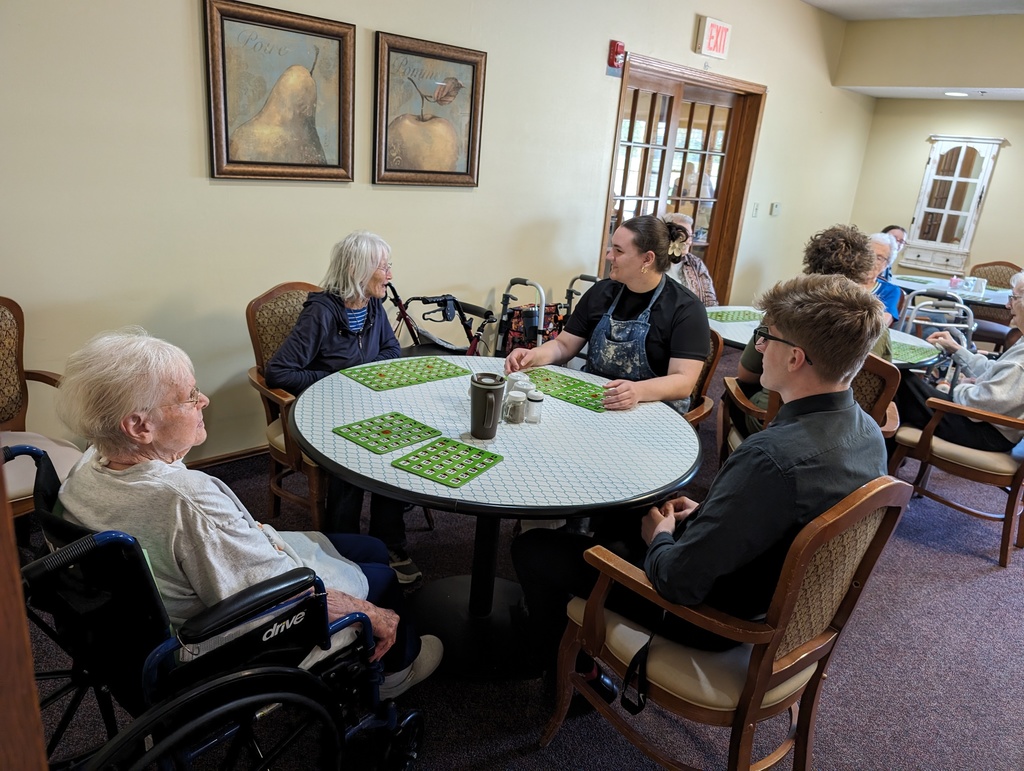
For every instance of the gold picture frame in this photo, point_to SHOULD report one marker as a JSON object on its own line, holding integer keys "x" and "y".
{"x": 280, "y": 89}
{"x": 430, "y": 101}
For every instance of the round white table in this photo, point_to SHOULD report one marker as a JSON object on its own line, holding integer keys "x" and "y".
{"x": 574, "y": 463}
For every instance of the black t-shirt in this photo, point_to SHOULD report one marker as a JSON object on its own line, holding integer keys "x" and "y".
{"x": 679, "y": 321}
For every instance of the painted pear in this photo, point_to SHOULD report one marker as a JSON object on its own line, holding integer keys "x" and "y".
{"x": 284, "y": 131}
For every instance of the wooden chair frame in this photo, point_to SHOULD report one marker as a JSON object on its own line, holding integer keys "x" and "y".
{"x": 701, "y": 405}
{"x": 881, "y": 500}
{"x": 1011, "y": 484}
{"x": 14, "y": 413}
{"x": 276, "y": 403}
{"x": 882, "y": 410}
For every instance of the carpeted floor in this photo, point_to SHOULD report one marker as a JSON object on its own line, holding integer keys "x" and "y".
{"x": 928, "y": 675}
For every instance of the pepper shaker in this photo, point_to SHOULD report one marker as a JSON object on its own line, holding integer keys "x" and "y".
{"x": 515, "y": 407}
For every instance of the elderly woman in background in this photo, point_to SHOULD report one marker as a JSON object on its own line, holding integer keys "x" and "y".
{"x": 885, "y": 248}
{"x": 342, "y": 326}
{"x": 994, "y": 385}
{"x": 645, "y": 332}
{"x": 689, "y": 269}
{"x": 135, "y": 399}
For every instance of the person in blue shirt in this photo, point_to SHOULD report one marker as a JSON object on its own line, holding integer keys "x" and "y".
{"x": 885, "y": 248}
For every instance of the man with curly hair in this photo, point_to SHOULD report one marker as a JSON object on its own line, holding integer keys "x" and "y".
{"x": 841, "y": 250}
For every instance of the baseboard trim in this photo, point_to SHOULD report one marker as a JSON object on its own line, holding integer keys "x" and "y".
{"x": 216, "y": 460}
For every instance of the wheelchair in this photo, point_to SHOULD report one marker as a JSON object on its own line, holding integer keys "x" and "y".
{"x": 245, "y": 702}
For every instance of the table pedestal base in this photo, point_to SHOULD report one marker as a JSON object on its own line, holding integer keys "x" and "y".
{"x": 474, "y": 646}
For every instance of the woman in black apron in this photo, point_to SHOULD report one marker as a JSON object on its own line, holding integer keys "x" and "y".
{"x": 648, "y": 334}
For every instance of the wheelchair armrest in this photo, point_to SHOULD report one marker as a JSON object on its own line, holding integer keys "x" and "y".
{"x": 239, "y": 607}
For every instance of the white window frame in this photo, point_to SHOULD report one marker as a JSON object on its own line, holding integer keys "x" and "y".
{"x": 935, "y": 255}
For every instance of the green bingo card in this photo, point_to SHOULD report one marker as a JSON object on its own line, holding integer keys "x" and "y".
{"x": 386, "y": 432}
{"x": 569, "y": 389}
{"x": 404, "y": 372}
{"x": 913, "y": 353}
{"x": 448, "y": 461}
{"x": 741, "y": 315}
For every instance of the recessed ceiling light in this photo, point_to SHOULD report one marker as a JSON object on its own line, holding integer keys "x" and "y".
{"x": 956, "y": 93}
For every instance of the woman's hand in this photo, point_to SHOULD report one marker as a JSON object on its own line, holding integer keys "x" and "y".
{"x": 945, "y": 341}
{"x": 620, "y": 395}
{"x": 520, "y": 358}
{"x": 383, "y": 620}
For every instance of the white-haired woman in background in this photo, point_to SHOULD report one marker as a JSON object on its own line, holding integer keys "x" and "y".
{"x": 342, "y": 326}
{"x": 136, "y": 401}
{"x": 689, "y": 269}
{"x": 885, "y": 248}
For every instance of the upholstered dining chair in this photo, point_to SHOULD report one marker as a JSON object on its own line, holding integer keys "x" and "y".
{"x": 992, "y": 325}
{"x": 701, "y": 405}
{"x": 873, "y": 389}
{"x": 781, "y": 662}
{"x": 270, "y": 318}
{"x": 1004, "y": 470}
{"x": 20, "y": 473}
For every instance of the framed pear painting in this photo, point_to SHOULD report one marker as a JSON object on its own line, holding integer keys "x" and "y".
{"x": 280, "y": 93}
{"x": 430, "y": 100}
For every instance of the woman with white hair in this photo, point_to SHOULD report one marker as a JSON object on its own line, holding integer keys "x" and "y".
{"x": 885, "y": 248}
{"x": 136, "y": 401}
{"x": 689, "y": 269}
{"x": 342, "y": 326}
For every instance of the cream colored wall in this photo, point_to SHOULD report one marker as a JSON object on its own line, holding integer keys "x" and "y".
{"x": 896, "y": 155}
{"x": 111, "y": 218}
{"x": 965, "y": 52}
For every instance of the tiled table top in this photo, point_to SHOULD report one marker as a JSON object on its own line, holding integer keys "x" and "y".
{"x": 575, "y": 460}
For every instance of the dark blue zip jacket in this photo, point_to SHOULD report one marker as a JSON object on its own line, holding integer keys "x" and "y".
{"x": 322, "y": 342}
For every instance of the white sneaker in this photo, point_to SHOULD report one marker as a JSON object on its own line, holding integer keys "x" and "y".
{"x": 397, "y": 683}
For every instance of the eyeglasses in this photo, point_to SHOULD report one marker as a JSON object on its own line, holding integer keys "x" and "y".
{"x": 1014, "y": 297}
{"x": 761, "y": 333}
{"x": 386, "y": 267}
{"x": 193, "y": 398}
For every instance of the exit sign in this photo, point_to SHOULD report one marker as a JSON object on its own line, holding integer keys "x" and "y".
{"x": 714, "y": 38}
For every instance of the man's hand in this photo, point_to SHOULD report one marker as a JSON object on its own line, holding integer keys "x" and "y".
{"x": 383, "y": 621}
{"x": 664, "y": 518}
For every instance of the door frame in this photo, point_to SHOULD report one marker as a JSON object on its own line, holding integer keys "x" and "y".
{"x": 744, "y": 128}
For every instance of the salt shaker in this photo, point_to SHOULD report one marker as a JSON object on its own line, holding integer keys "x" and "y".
{"x": 523, "y": 385}
{"x": 534, "y": 404}
{"x": 511, "y": 379}
{"x": 515, "y": 407}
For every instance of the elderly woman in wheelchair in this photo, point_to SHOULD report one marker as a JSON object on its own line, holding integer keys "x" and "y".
{"x": 135, "y": 399}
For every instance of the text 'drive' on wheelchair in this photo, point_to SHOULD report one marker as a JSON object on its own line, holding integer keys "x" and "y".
{"x": 234, "y": 687}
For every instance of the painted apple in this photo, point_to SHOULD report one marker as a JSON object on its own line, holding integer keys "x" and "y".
{"x": 426, "y": 143}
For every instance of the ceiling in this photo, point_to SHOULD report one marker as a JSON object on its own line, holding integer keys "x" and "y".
{"x": 865, "y": 10}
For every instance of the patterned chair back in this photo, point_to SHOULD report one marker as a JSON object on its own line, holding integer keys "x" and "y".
{"x": 12, "y": 377}
{"x": 272, "y": 315}
{"x": 998, "y": 274}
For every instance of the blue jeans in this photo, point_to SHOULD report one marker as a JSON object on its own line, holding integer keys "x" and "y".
{"x": 371, "y": 555}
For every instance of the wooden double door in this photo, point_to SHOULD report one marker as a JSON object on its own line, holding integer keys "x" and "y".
{"x": 685, "y": 143}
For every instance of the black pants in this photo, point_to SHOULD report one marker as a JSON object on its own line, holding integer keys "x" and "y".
{"x": 910, "y": 401}
{"x": 551, "y": 570}
{"x": 345, "y": 504}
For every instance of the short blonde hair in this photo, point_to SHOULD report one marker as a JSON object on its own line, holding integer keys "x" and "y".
{"x": 833, "y": 319}
{"x": 110, "y": 377}
{"x": 353, "y": 262}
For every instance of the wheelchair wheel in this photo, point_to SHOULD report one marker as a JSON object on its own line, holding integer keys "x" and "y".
{"x": 276, "y": 718}
{"x": 405, "y": 744}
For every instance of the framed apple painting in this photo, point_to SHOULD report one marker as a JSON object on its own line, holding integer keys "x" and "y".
{"x": 280, "y": 93}
{"x": 430, "y": 100}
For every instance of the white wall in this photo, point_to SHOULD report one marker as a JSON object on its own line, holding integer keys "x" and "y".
{"x": 110, "y": 216}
